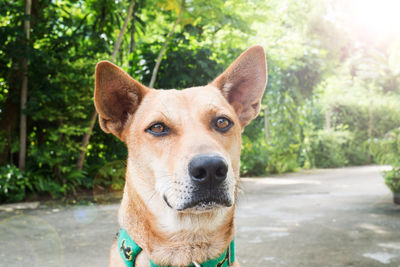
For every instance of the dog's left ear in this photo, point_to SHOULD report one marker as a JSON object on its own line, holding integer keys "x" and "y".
{"x": 243, "y": 83}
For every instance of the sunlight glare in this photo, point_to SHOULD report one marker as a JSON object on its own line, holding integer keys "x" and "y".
{"x": 381, "y": 16}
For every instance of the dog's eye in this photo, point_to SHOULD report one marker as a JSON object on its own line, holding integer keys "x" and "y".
{"x": 158, "y": 129}
{"x": 222, "y": 124}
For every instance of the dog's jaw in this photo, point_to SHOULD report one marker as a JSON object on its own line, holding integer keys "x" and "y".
{"x": 186, "y": 198}
{"x": 193, "y": 221}
{"x": 169, "y": 236}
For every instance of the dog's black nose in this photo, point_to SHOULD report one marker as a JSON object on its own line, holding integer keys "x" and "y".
{"x": 208, "y": 170}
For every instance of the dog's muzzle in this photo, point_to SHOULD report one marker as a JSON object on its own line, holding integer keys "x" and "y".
{"x": 206, "y": 187}
{"x": 207, "y": 174}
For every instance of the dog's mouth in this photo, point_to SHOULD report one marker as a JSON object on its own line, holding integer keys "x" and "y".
{"x": 202, "y": 203}
{"x": 207, "y": 204}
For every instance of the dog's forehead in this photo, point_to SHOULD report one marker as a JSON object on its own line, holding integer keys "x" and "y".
{"x": 190, "y": 98}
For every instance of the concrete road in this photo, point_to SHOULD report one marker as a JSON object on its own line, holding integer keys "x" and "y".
{"x": 339, "y": 217}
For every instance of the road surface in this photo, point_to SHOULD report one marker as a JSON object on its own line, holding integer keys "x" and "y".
{"x": 334, "y": 217}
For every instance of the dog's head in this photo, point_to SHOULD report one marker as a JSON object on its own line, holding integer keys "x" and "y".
{"x": 184, "y": 145}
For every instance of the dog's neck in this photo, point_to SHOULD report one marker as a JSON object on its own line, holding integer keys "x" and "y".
{"x": 172, "y": 238}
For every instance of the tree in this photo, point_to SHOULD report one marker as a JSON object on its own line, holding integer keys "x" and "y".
{"x": 315, "y": 68}
{"x": 24, "y": 91}
{"x": 161, "y": 53}
{"x": 93, "y": 118}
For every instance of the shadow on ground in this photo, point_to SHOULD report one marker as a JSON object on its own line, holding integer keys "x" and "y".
{"x": 338, "y": 217}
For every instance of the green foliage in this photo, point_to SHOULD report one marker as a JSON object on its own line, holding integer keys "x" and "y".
{"x": 392, "y": 179}
{"x": 111, "y": 176}
{"x": 183, "y": 67}
{"x": 314, "y": 67}
{"x": 254, "y": 154}
{"x": 329, "y": 148}
{"x": 354, "y": 113}
{"x": 14, "y": 184}
{"x": 65, "y": 46}
{"x": 387, "y": 149}
{"x": 67, "y": 39}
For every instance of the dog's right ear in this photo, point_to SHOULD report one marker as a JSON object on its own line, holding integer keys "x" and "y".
{"x": 243, "y": 83}
{"x": 116, "y": 97}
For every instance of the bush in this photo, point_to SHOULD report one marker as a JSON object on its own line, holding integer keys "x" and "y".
{"x": 254, "y": 157}
{"x": 14, "y": 184}
{"x": 111, "y": 177}
{"x": 365, "y": 108}
{"x": 357, "y": 152}
{"x": 387, "y": 149}
{"x": 277, "y": 155}
{"x": 283, "y": 158}
{"x": 329, "y": 148}
{"x": 392, "y": 179}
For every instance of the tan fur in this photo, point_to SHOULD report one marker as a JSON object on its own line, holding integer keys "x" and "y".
{"x": 157, "y": 166}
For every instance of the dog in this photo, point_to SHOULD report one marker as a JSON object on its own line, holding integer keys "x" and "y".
{"x": 183, "y": 162}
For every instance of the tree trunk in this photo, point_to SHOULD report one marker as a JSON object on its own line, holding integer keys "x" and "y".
{"x": 24, "y": 91}
{"x": 93, "y": 118}
{"x": 159, "y": 58}
{"x": 132, "y": 44}
{"x": 266, "y": 124}
{"x": 328, "y": 123}
{"x": 122, "y": 32}
{"x": 85, "y": 141}
{"x": 370, "y": 124}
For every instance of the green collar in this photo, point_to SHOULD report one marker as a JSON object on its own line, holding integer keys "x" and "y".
{"x": 128, "y": 249}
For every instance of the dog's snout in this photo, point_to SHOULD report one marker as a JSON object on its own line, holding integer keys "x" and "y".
{"x": 208, "y": 170}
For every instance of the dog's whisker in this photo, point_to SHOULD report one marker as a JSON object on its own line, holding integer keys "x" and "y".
{"x": 151, "y": 197}
{"x": 165, "y": 109}
{"x": 163, "y": 114}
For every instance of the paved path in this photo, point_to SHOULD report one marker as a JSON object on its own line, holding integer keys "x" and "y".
{"x": 340, "y": 217}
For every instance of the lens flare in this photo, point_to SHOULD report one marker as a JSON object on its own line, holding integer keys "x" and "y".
{"x": 85, "y": 214}
{"x": 29, "y": 241}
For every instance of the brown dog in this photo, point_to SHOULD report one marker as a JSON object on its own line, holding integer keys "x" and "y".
{"x": 183, "y": 164}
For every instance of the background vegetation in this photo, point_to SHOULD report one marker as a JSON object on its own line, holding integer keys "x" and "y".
{"x": 333, "y": 94}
